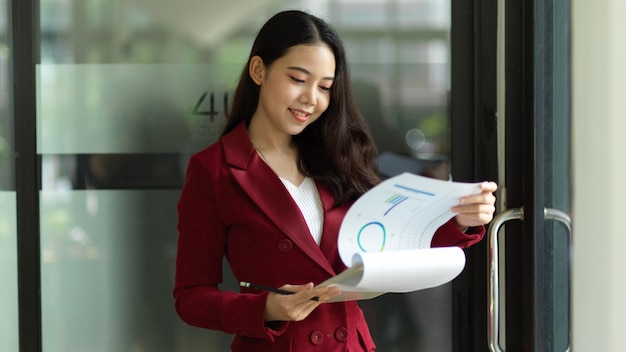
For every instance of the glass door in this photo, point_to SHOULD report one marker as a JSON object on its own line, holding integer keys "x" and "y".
{"x": 125, "y": 91}
{"x": 530, "y": 241}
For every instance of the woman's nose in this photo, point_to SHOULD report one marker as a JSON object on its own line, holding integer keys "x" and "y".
{"x": 309, "y": 96}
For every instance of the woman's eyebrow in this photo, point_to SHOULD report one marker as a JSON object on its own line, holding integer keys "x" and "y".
{"x": 305, "y": 71}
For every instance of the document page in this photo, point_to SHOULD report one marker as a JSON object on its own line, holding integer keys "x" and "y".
{"x": 386, "y": 234}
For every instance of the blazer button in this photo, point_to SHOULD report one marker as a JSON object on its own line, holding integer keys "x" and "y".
{"x": 341, "y": 334}
{"x": 317, "y": 337}
{"x": 284, "y": 245}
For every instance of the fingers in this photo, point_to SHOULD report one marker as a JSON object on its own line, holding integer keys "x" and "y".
{"x": 318, "y": 294}
{"x": 308, "y": 292}
{"x": 477, "y": 213}
{"x": 478, "y": 209}
{"x": 297, "y": 288}
{"x": 489, "y": 186}
{"x": 327, "y": 293}
{"x": 485, "y": 196}
{"x": 471, "y": 219}
{"x": 299, "y": 305}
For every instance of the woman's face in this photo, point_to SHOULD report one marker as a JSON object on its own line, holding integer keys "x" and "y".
{"x": 294, "y": 89}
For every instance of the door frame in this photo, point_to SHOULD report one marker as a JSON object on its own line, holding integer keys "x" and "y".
{"x": 473, "y": 107}
{"x": 24, "y": 48}
{"x": 517, "y": 103}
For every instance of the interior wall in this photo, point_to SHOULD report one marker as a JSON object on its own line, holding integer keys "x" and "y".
{"x": 599, "y": 124}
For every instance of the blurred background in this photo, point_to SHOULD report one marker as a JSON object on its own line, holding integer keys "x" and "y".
{"x": 126, "y": 91}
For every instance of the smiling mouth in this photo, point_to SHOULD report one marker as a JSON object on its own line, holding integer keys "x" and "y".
{"x": 300, "y": 114}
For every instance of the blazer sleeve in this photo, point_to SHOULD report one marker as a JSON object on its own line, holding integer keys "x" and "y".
{"x": 201, "y": 242}
{"x": 449, "y": 235}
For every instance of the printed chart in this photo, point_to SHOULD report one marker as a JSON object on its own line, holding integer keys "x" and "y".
{"x": 386, "y": 234}
{"x": 401, "y": 213}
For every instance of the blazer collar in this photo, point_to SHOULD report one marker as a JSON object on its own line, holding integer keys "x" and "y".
{"x": 267, "y": 190}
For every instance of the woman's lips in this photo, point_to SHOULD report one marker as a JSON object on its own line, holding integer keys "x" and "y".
{"x": 300, "y": 115}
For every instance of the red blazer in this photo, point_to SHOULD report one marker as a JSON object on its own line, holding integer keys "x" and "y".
{"x": 233, "y": 205}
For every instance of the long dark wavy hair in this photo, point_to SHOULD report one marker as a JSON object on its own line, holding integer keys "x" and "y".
{"x": 337, "y": 149}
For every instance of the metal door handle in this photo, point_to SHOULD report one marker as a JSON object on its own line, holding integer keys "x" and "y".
{"x": 494, "y": 274}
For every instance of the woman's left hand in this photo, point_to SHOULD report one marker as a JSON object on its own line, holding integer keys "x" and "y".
{"x": 477, "y": 209}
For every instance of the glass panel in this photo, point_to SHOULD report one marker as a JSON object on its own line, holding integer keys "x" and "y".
{"x": 552, "y": 39}
{"x": 8, "y": 273}
{"x": 131, "y": 108}
{"x": 9, "y": 334}
{"x": 107, "y": 271}
{"x": 127, "y": 90}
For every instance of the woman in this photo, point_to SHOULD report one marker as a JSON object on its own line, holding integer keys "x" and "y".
{"x": 270, "y": 196}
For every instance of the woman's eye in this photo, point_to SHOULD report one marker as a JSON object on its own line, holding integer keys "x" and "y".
{"x": 325, "y": 88}
{"x": 296, "y": 80}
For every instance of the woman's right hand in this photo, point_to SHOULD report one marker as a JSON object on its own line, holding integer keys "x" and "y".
{"x": 298, "y": 306}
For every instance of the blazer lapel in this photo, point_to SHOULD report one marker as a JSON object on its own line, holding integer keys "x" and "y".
{"x": 267, "y": 191}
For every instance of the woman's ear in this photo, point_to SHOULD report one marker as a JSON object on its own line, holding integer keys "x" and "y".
{"x": 256, "y": 69}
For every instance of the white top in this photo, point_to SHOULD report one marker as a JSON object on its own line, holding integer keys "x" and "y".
{"x": 310, "y": 204}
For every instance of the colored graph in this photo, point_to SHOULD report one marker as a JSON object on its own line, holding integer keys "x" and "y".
{"x": 372, "y": 237}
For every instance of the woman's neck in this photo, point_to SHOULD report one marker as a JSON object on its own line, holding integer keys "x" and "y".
{"x": 278, "y": 151}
